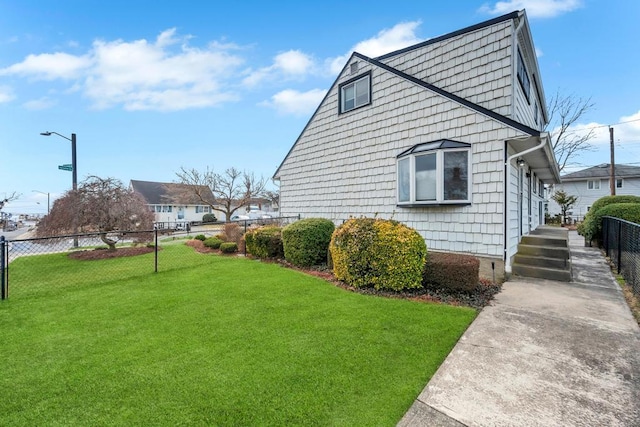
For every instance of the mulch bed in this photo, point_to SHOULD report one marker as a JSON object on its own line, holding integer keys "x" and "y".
{"x": 103, "y": 253}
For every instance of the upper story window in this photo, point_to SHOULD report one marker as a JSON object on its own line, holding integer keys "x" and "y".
{"x": 593, "y": 184}
{"x": 523, "y": 76}
{"x": 355, "y": 93}
{"x": 202, "y": 209}
{"x": 435, "y": 173}
{"x": 619, "y": 183}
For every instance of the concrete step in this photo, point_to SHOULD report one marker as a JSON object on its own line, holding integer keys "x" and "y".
{"x": 543, "y": 251}
{"x": 552, "y": 231}
{"x": 545, "y": 240}
{"x": 540, "y": 261}
{"x": 560, "y": 275}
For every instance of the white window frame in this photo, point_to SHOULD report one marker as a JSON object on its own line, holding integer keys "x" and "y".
{"x": 620, "y": 181}
{"x": 439, "y": 200}
{"x": 593, "y": 184}
{"x": 353, "y": 83}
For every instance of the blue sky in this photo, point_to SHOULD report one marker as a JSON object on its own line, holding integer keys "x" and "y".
{"x": 150, "y": 87}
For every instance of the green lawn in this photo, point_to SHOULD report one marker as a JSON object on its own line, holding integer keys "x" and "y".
{"x": 224, "y": 341}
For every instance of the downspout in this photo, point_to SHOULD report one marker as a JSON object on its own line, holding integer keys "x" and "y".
{"x": 543, "y": 141}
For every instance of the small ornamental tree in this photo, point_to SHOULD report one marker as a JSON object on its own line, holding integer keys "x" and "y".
{"x": 100, "y": 205}
{"x": 565, "y": 201}
{"x": 378, "y": 253}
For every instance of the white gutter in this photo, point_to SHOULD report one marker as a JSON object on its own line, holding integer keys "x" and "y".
{"x": 544, "y": 136}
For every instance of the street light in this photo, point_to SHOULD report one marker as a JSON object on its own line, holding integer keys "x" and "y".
{"x": 74, "y": 174}
{"x": 74, "y": 164}
{"x": 48, "y": 198}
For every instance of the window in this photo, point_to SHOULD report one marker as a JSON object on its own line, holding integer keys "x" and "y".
{"x": 355, "y": 93}
{"x": 434, "y": 173}
{"x": 202, "y": 209}
{"x": 541, "y": 188}
{"x": 619, "y": 183}
{"x": 166, "y": 208}
{"x": 535, "y": 184}
{"x": 523, "y": 76}
{"x": 593, "y": 185}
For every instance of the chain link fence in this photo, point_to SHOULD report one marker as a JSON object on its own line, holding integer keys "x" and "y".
{"x": 621, "y": 241}
{"x": 37, "y": 267}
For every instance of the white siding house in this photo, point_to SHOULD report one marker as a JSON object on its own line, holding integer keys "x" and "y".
{"x": 590, "y": 184}
{"x": 158, "y": 196}
{"x": 444, "y": 136}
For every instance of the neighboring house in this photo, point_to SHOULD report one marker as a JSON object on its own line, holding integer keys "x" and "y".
{"x": 160, "y": 197}
{"x": 444, "y": 136}
{"x": 590, "y": 184}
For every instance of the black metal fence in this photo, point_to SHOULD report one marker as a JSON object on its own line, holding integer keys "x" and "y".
{"x": 32, "y": 267}
{"x": 621, "y": 241}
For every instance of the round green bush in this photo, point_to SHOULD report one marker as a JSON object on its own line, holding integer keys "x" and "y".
{"x": 265, "y": 242}
{"x": 383, "y": 254}
{"x": 213, "y": 242}
{"x": 306, "y": 242}
{"x": 209, "y": 217}
{"x": 229, "y": 247}
{"x": 201, "y": 237}
{"x": 591, "y": 227}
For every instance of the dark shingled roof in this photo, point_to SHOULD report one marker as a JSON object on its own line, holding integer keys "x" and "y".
{"x": 603, "y": 171}
{"x": 160, "y": 193}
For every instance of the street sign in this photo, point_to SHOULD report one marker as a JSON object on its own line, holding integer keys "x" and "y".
{"x": 65, "y": 167}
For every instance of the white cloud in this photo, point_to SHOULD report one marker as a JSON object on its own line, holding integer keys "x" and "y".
{"x": 49, "y": 66}
{"x": 149, "y": 76}
{"x": 535, "y": 8}
{"x": 163, "y": 75}
{"x": 387, "y": 40}
{"x": 626, "y": 139}
{"x": 6, "y": 94}
{"x": 291, "y": 101}
{"x": 287, "y": 65}
{"x": 39, "y": 104}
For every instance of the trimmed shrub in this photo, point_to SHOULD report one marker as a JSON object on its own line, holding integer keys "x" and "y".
{"x": 451, "y": 271}
{"x": 209, "y": 217}
{"x": 213, "y": 242}
{"x": 306, "y": 242}
{"x": 627, "y": 211}
{"x": 591, "y": 227}
{"x": 201, "y": 237}
{"x": 378, "y": 253}
{"x": 265, "y": 242}
{"x": 229, "y": 248}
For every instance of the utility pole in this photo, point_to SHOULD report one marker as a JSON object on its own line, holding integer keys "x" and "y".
{"x": 612, "y": 173}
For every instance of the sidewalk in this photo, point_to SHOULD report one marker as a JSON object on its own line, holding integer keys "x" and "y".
{"x": 544, "y": 354}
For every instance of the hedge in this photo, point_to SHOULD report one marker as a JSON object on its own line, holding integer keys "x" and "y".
{"x": 591, "y": 227}
{"x": 212, "y": 242}
{"x": 229, "y": 247}
{"x": 452, "y": 271}
{"x": 383, "y": 254}
{"x": 627, "y": 211}
{"x": 306, "y": 242}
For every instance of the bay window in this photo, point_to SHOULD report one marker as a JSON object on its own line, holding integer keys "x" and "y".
{"x": 434, "y": 173}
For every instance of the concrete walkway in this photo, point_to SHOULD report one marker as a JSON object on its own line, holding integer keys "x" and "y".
{"x": 544, "y": 354}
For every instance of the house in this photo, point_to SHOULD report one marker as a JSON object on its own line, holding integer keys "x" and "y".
{"x": 161, "y": 198}
{"x": 590, "y": 184}
{"x": 445, "y": 136}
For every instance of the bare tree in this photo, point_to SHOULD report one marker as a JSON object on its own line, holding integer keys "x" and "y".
{"x": 232, "y": 189}
{"x": 9, "y": 198}
{"x": 273, "y": 196}
{"x": 564, "y": 112}
{"x": 98, "y": 205}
